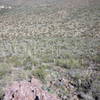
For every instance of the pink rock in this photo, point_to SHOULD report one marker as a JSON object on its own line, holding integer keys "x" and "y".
{"x": 27, "y": 91}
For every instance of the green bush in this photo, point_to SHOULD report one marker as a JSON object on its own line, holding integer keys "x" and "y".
{"x": 68, "y": 63}
{"x": 47, "y": 59}
{"x": 40, "y": 73}
{"x": 4, "y": 69}
{"x": 27, "y": 63}
{"x": 62, "y": 63}
{"x": 1, "y": 94}
{"x": 16, "y": 61}
{"x": 97, "y": 58}
{"x": 73, "y": 63}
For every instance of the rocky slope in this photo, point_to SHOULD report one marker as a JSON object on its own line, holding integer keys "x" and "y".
{"x": 27, "y": 91}
{"x": 57, "y": 41}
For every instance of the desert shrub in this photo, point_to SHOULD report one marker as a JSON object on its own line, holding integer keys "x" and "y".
{"x": 1, "y": 94}
{"x": 4, "y": 69}
{"x": 73, "y": 62}
{"x": 61, "y": 62}
{"x": 40, "y": 73}
{"x": 68, "y": 63}
{"x": 97, "y": 58}
{"x": 16, "y": 61}
{"x": 2, "y": 11}
{"x": 35, "y": 61}
{"x": 31, "y": 61}
{"x": 27, "y": 63}
{"x": 47, "y": 59}
{"x": 97, "y": 61}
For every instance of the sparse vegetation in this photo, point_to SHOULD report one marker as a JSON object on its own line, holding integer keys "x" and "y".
{"x": 1, "y": 94}
{"x": 40, "y": 73}
{"x": 48, "y": 40}
{"x": 68, "y": 63}
{"x": 4, "y": 69}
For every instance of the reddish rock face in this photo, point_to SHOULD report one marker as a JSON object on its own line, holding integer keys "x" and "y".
{"x": 27, "y": 91}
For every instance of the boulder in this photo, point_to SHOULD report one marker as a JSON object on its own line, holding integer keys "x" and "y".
{"x": 25, "y": 90}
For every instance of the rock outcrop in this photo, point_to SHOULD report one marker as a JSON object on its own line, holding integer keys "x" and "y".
{"x": 25, "y": 90}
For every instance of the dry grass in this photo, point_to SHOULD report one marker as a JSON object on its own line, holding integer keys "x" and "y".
{"x": 33, "y": 36}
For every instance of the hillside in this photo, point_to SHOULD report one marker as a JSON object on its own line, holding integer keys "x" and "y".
{"x": 56, "y": 41}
